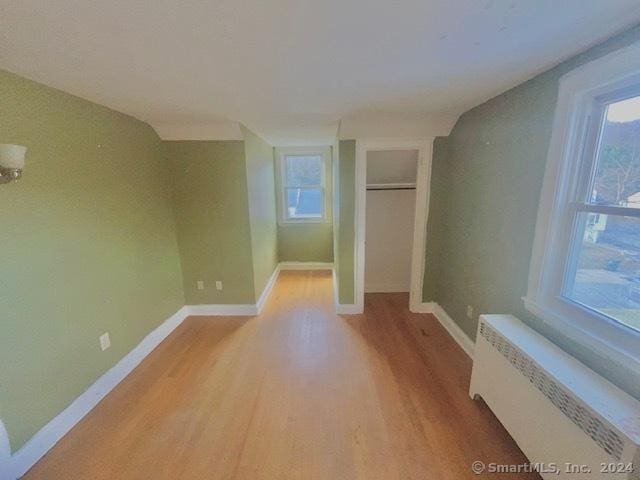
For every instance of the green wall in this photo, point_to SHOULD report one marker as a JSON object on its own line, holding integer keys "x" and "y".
{"x": 88, "y": 246}
{"x": 305, "y": 243}
{"x": 346, "y": 222}
{"x": 483, "y": 218}
{"x": 209, "y": 187}
{"x": 262, "y": 209}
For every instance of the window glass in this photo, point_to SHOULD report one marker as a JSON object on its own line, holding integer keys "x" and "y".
{"x": 304, "y": 187}
{"x": 606, "y": 276}
{"x": 304, "y": 202}
{"x": 303, "y": 170}
{"x": 617, "y": 173}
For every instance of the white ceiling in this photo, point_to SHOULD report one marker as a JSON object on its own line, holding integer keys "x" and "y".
{"x": 291, "y": 69}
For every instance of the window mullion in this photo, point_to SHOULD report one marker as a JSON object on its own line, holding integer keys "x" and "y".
{"x": 605, "y": 209}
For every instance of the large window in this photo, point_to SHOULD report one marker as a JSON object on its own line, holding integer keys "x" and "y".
{"x": 585, "y": 267}
{"x": 603, "y": 268}
{"x": 303, "y": 186}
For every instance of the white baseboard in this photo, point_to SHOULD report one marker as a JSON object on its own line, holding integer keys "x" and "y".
{"x": 425, "y": 307}
{"x": 223, "y": 310}
{"x": 342, "y": 308}
{"x": 306, "y": 266}
{"x": 267, "y": 289}
{"x": 52, "y": 432}
{"x": 387, "y": 288}
{"x": 348, "y": 309}
{"x": 453, "y": 329}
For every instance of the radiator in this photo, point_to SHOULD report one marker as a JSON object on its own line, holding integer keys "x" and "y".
{"x": 570, "y": 422}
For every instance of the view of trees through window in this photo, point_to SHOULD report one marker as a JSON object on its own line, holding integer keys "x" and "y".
{"x": 607, "y": 274}
{"x": 617, "y": 180}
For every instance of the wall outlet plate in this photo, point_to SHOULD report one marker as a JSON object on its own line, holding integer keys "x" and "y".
{"x": 200, "y": 285}
{"x": 469, "y": 311}
{"x": 218, "y": 285}
{"x": 105, "y": 341}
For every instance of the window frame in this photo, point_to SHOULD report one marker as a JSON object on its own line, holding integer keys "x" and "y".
{"x": 282, "y": 154}
{"x": 571, "y": 164}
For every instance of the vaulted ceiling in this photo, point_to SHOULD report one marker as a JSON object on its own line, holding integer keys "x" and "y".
{"x": 293, "y": 68}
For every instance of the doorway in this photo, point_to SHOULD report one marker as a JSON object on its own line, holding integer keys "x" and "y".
{"x": 385, "y": 150}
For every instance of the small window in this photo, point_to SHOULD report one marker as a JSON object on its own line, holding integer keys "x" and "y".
{"x": 303, "y": 187}
{"x": 603, "y": 271}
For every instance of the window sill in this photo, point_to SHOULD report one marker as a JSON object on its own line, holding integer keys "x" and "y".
{"x": 289, "y": 223}
{"x": 607, "y": 339}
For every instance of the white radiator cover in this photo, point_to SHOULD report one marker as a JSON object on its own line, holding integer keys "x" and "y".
{"x": 557, "y": 410}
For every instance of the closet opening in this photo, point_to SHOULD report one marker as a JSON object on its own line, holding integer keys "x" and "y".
{"x": 392, "y": 202}
{"x": 390, "y": 218}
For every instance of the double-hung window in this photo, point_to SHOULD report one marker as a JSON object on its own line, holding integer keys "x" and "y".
{"x": 303, "y": 195}
{"x": 585, "y": 268}
{"x": 603, "y": 261}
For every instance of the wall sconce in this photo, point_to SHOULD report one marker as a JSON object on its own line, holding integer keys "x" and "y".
{"x": 11, "y": 162}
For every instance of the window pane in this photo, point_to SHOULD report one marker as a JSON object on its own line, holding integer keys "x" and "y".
{"x": 617, "y": 178}
{"x": 304, "y": 202}
{"x": 303, "y": 170}
{"x": 607, "y": 273}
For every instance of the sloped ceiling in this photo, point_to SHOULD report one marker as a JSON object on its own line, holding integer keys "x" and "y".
{"x": 291, "y": 69}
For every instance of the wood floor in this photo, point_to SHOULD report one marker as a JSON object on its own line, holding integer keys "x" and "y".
{"x": 295, "y": 393}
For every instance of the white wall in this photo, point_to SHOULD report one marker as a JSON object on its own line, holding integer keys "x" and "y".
{"x": 392, "y": 166}
{"x": 397, "y": 125}
{"x": 389, "y": 221}
{"x": 389, "y": 239}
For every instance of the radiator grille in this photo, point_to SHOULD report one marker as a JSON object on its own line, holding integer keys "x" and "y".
{"x": 604, "y": 436}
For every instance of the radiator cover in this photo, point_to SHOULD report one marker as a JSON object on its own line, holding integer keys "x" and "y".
{"x": 557, "y": 410}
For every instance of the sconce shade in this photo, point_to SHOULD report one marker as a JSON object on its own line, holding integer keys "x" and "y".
{"x": 12, "y": 156}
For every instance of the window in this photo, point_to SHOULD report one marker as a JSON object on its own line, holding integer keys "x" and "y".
{"x": 584, "y": 277}
{"x": 303, "y": 189}
{"x": 603, "y": 268}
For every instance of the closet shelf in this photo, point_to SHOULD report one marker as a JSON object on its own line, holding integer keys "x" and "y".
{"x": 391, "y": 186}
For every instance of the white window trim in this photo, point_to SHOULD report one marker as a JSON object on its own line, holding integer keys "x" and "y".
{"x": 281, "y": 154}
{"x": 578, "y": 90}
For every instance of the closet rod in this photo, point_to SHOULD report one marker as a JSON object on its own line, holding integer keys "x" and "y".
{"x": 391, "y": 186}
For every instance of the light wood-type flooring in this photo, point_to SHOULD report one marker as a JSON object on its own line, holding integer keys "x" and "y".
{"x": 297, "y": 392}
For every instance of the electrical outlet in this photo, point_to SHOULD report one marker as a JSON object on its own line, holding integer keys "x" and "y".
{"x": 105, "y": 341}
{"x": 469, "y": 311}
{"x": 218, "y": 285}
{"x": 200, "y": 285}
